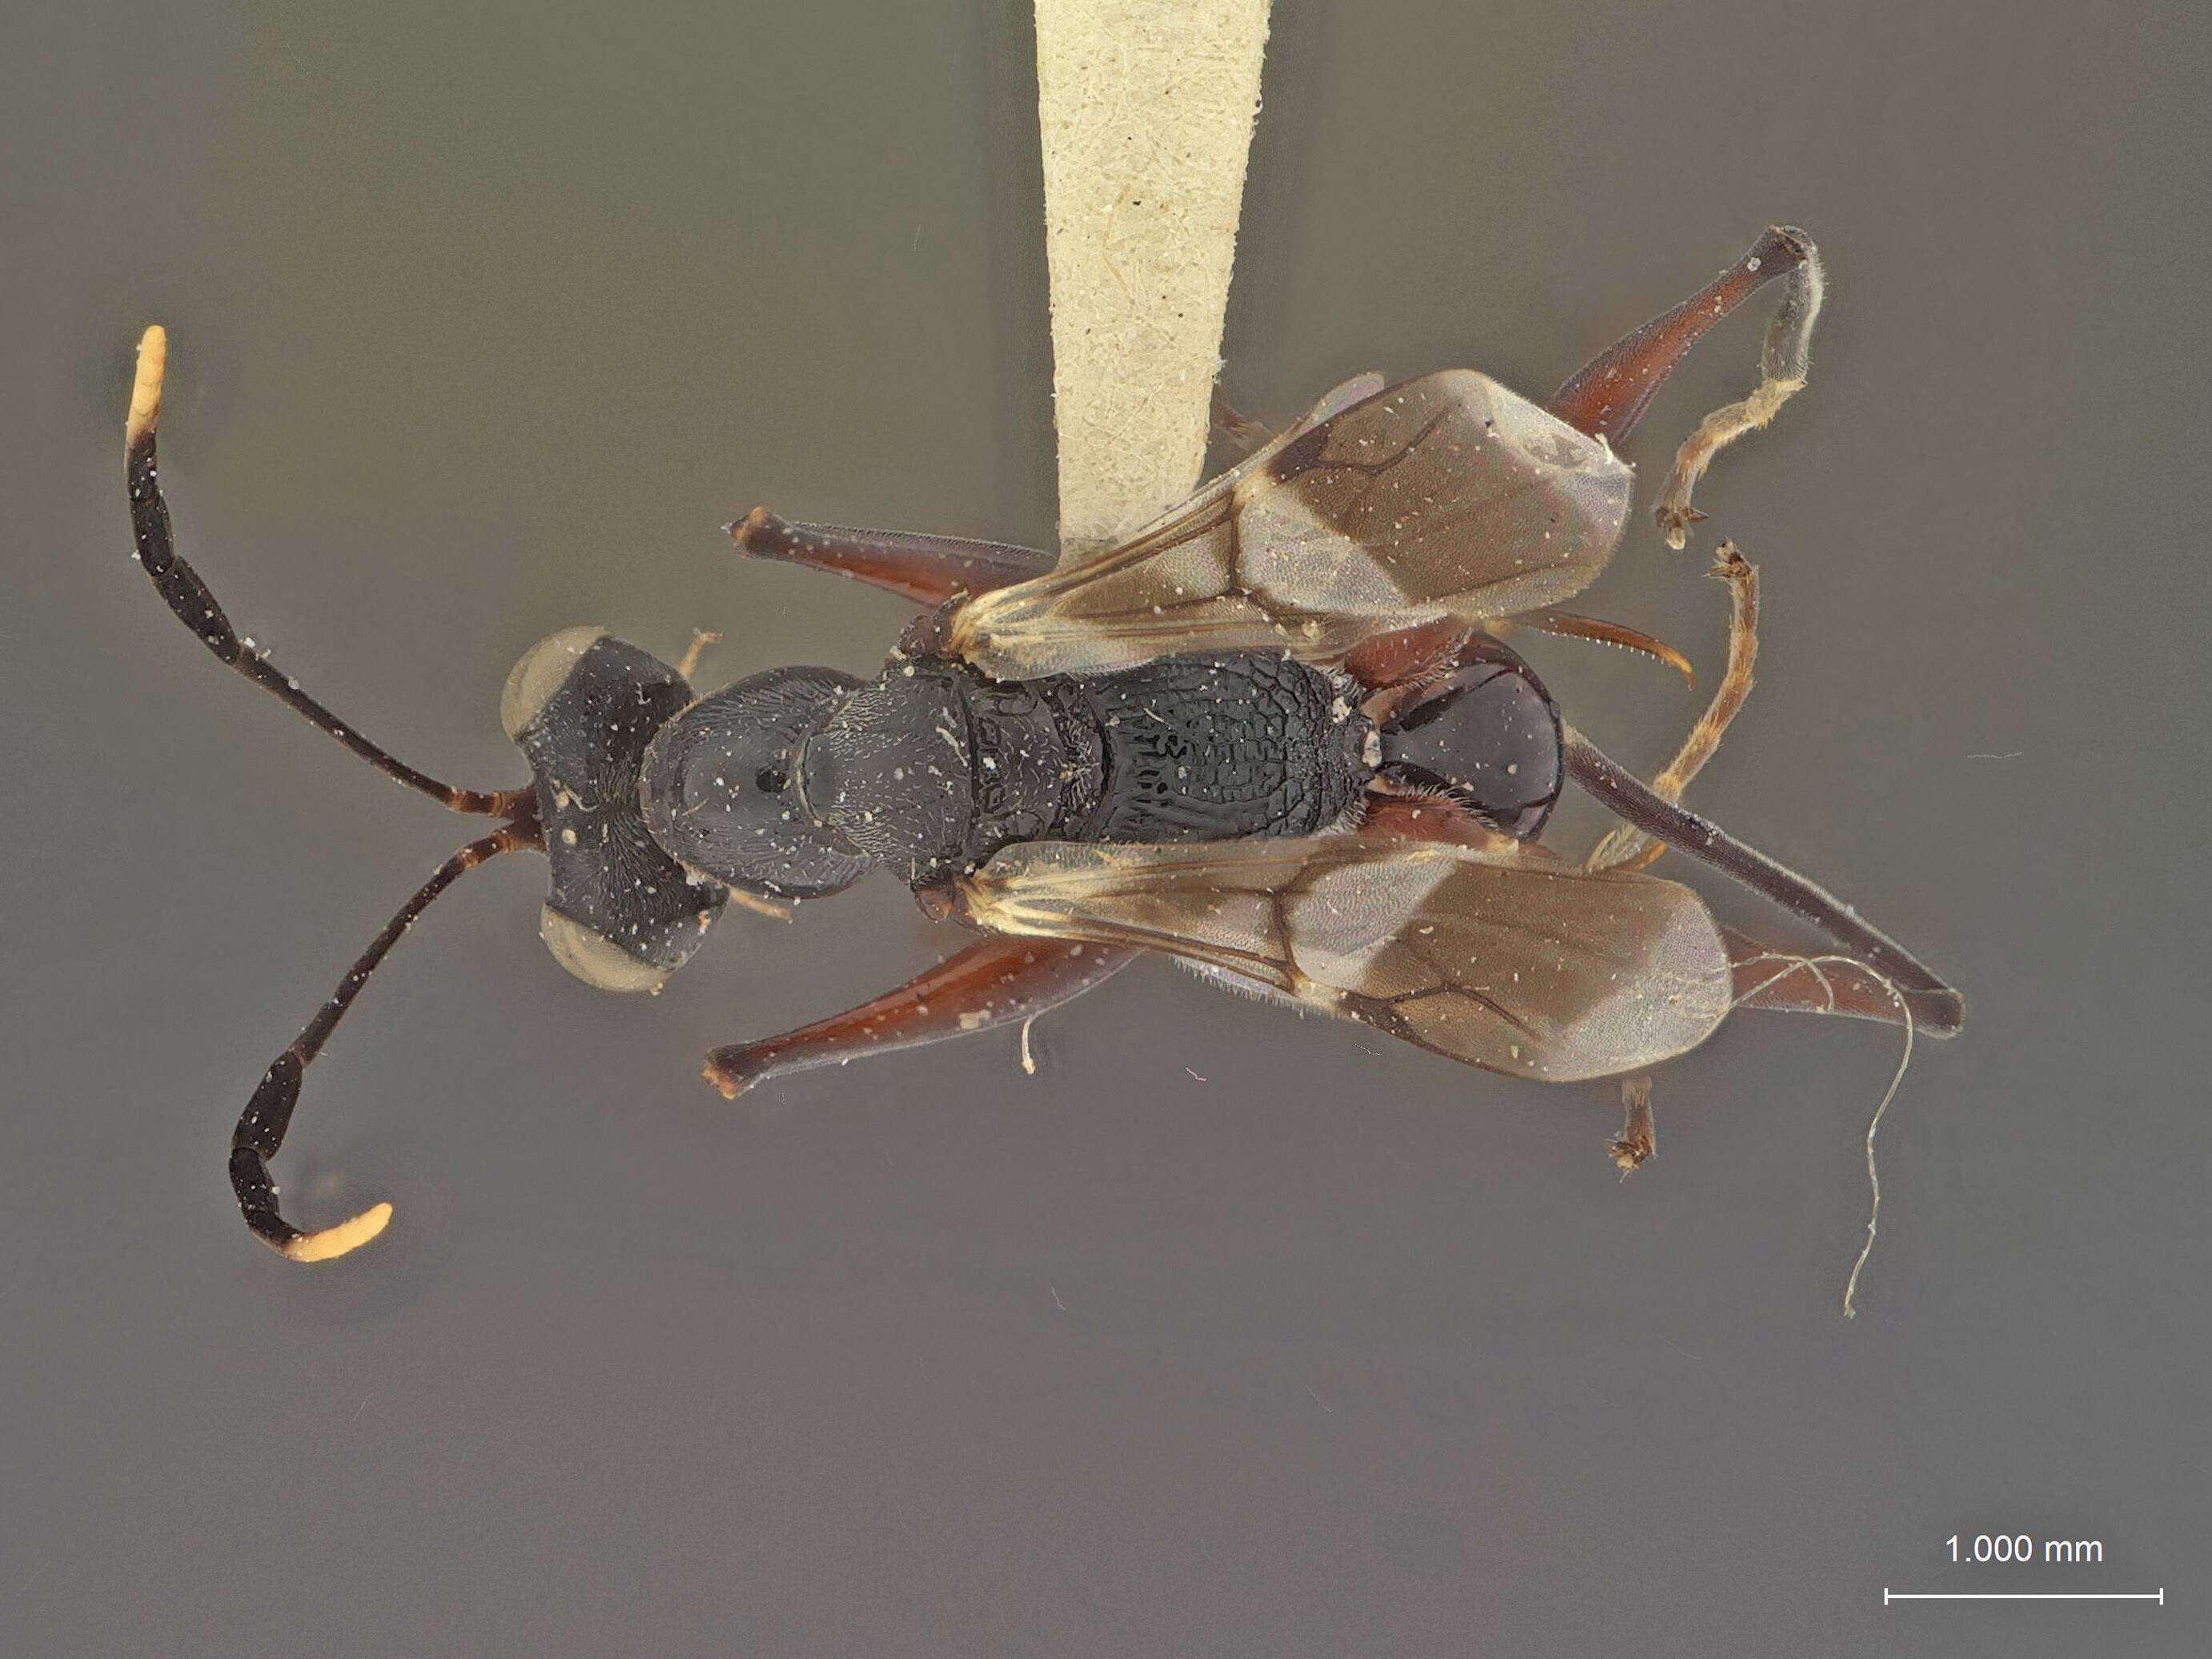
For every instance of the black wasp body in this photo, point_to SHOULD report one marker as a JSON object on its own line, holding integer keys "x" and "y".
{"x": 933, "y": 767}
{"x": 1274, "y": 734}
{"x": 795, "y": 783}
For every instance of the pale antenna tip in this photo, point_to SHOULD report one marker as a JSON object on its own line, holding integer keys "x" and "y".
{"x": 146, "y": 390}
{"x": 334, "y": 1242}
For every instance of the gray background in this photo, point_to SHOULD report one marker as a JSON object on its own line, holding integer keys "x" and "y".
{"x": 1226, "y": 1333}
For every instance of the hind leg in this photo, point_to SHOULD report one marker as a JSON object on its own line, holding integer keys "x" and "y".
{"x": 1608, "y": 396}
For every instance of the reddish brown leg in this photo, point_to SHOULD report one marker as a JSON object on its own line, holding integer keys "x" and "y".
{"x": 688, "y": 665}
{"x": 1771, "y": 976}
{"x": 1394, "y": 666}
{"x": 1794, "y": 982}
{"x": 1397, "y": 666}
{"x": 1937, "y": 1008}
{"x": 1639, "y": 1137}
{"x": 928, "y": 569}
{"x": 1240, "y": 432}
{"x": 1428, "y": 818}
{"x": 1569, "y": 625}
{"x": 1628, "y": 847}
{"x": 1607, "y": 397}
{"x": 995, "y": 981}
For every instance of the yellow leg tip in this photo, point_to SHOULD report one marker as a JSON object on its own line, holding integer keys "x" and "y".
{"x": 146, "y": 390}
{"x": 334, "y": 1242}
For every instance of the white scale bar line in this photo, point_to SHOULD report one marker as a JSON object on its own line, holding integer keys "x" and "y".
{"x": 2157, "y": 1595}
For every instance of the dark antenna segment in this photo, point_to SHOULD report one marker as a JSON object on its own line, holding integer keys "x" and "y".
{"x": 195, "y": 605}
{"x": 261, "y": 1130}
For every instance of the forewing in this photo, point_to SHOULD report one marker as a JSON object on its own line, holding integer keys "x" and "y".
{"x": 1448, "y": 495}
{"x": 1206, "y": 500}
{"x": 1505, "y": 958}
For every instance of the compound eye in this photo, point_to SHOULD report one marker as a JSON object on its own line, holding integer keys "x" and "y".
{"x": 538, "y": 678}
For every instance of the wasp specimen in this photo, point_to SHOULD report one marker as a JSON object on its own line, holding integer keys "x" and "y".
{"x": 1276, "y": 733}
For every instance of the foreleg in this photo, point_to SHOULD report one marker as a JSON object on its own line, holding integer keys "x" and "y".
{"x": 928, "y": 569}
{"x": 996, "y": 981}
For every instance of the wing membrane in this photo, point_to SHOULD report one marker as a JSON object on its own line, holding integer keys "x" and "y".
{"x": 1504, "y": 958}
{"x": 1448, "y": 495}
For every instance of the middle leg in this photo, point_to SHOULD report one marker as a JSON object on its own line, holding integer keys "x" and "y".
{"x": 1639, "y": 1137}
{"x": 1627, "y": 846}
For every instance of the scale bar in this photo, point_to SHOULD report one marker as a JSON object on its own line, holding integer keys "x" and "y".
{"x": 2157, "y": 1595}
